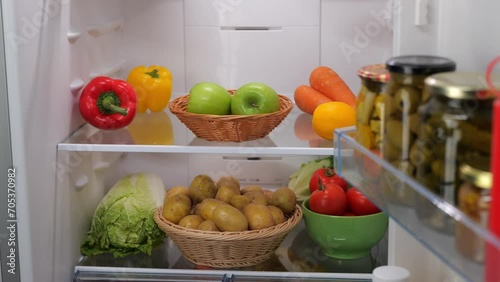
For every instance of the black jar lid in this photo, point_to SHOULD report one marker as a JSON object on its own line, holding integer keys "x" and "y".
{"x": 420, "y": 64}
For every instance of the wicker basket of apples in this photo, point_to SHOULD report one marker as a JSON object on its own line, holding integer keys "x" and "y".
{"x": 214, "y": 113}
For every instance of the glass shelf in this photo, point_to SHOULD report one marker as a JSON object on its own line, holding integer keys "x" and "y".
{"x": 163, "y": 133}
{"x": 298, "y": 258}
{"x": 426, "y": 216}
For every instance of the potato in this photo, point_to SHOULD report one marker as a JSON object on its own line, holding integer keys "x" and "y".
{"x": 239, "y": 201}
{"x": 226, "y": 192}
{"x": 259, "y": 216}
{"x": 228, "y": 181}
{"x": 285, "y": 199}
{"x": 206, "y": 208}
{"x": 269, "y": 195}
{"x": 177, "y": 190}
{"x": 277, "y": 213}
{"x": 176, "y": 207}
{"x": 208, "y": 225}
{"x": 229, "y": 218}
{"x": 256, "y": 197}
{"x": 201, "y": 188}
{"x": 191, "y": 221}
{"x": 249, "y": 188}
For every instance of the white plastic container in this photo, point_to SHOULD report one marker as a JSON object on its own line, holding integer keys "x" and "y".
{"x": 390, "y": 273}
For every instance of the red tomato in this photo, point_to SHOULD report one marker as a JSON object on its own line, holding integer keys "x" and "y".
{"x": 359, "y": 204}
{"x": 348, "y": 213}
{"x": 326, "y": 176}
{"x": 330, "y": 199}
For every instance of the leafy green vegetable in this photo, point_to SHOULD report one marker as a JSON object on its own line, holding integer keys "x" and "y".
{"x": 299, "y": 180}
{"x": 123, "y": 222}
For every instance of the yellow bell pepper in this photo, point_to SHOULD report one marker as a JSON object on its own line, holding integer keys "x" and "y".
{"x": 153, "y": 85}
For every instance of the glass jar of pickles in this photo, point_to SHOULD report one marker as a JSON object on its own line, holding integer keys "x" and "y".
{"x": 401, "y": 122}
{"x": 370, "y": 106}
{"x": 456, "y": 121}
{"x": 474, "y": 200}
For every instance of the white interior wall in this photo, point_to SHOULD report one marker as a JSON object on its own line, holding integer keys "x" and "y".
{"x": 355, "y": 34}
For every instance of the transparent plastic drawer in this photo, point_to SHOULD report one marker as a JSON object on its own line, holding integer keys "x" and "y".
{"x": 425, "y": 215}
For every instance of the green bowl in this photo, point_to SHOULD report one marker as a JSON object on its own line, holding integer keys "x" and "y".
{"x": 345, "y": 237}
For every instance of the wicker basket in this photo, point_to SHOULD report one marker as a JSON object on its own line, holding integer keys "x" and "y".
{"x": 228, "y": 249}
{"x": 230, "y": 128}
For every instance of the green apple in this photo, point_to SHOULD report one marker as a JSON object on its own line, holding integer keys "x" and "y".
{"x": 209, "y": 98}
{"x": 255, "y": 98}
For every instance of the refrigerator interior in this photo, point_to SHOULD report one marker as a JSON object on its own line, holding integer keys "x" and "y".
{"x": 54, "y": 47}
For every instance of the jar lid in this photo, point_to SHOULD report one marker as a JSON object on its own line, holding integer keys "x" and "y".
{"x": 376, "y": 72}
{"x": 477, "y": 176}
{"x": 460, "y": 85}
{"x": 390, "y": 273}
{"x": 417, "y": 64}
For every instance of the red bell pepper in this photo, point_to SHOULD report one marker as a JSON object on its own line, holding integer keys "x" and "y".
{"x": 108, "y": 103}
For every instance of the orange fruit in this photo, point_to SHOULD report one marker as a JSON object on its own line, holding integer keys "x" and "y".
{"x": 332, "y": 115}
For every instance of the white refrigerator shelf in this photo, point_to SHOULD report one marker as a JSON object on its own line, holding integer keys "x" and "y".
{"x": 297, "y": 259}
{"x": 162, "y": 132}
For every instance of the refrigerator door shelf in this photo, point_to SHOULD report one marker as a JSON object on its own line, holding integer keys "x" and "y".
{"x": 408, "y": 215}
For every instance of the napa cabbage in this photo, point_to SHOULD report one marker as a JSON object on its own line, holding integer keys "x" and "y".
{"x": 123, "y": 222}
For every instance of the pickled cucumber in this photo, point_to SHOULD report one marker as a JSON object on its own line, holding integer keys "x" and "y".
{"x": 437, "y": 168}
{"x": 364, "y": 136}
{"x": 407, "y": 99}
{"x": 394, "y": 133}
{"x": 421, "y": 154}
{"x": 406, "y": 79}
{"x": 414, "y": 123}
{"x": 390, "y": 152}
{"x": 379, "y": 105}
{"x": 374, "y": 114}
{"x": 366, "y": 107}
{"x": 479, "y": 140}
{"x": 375, "y": 126}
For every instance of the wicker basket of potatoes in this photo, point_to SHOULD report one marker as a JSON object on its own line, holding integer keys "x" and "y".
{"x": 222, "y": 225}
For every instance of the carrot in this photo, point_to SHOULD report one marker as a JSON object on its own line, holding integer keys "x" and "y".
{"x": 307, "y": 99}
{"x": 328, "y": 82}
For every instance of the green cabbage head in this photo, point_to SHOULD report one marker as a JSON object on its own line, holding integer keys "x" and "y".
{"x": 123, "y": 222}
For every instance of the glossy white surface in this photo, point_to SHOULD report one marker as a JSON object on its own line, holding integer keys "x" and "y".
{"x": 153, "y": 34}
{"x": 355, "y": 34}
{"x": 255, "y": 13}
{"x": 413, "y": 39}
{"x": 282, "y": 58}
{"x": 464, "y": 32}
